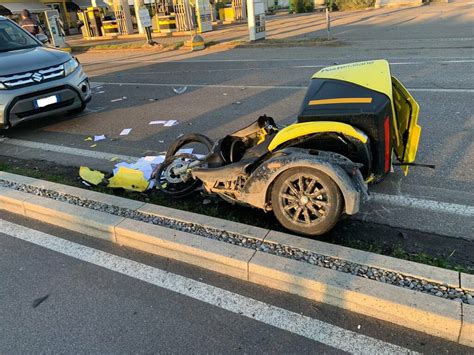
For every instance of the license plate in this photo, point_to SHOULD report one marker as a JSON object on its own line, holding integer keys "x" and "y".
{"x": 46, "y": 101}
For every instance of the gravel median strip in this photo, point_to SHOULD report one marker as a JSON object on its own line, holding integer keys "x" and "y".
{"x": 376, "y": 274}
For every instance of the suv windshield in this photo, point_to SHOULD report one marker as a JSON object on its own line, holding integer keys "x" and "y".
{"x": 13, "y": 37}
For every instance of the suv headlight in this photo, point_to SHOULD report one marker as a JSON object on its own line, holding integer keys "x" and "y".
{"x": 2, "y": 86}
{"x": 70, "y": 66}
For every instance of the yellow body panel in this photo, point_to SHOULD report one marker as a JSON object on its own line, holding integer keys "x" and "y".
{"x": 372, "y": 74}
{"x": 406, "y": 110}
{"x": 129, "y": 179}
{"x": 93, "y": 177}
{"x": 302, "y": 129}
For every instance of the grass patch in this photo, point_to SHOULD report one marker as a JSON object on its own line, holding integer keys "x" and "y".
{"x": 351, "y": 4}
{"x": 285, "y": 42}
{"x": 403, "y": 244}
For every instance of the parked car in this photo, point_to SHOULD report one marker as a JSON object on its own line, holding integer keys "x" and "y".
{"x": 37, "y": 81}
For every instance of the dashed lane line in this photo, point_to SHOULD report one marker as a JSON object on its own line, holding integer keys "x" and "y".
{"x": 268, "y": 314}
{"x": 249, "y": 60}
{"x": 423, "y": 204}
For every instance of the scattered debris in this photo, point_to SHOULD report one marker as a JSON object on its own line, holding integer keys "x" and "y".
{"x": 224, "y": 93}
{"x": 119, "y": 99}
{"x": 154, "y": 160}
{"x": 180, "y": 90}
{"x": 99, "y": 138}
{"x": 114, "y": 159}
{"x": 141, "y": 165}
{"x": 125, "y": 132}
{"x": 129, "y": 179}
{"x": 161, "y": 141}
{"x": 358, "y": 327}
{"x": 168, "y": 123}
{"x": 38, "y": 301}
{"x": 88, "y": 139}
{"x": 236, "y": 103}
{"x": 100, "y": 92}
{"x": 171, "y": 123}
{"x": 206, "y": 201}
{"x": 180, "y": 135}
{"x": 136, "y": 176}
{"x": 93, "y": 146}
{"x": 93, "y": 177}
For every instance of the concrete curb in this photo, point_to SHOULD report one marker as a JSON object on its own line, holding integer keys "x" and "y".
{"x": 423, "y": 312}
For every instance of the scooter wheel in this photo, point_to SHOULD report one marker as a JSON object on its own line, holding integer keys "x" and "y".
{"x": 188, "y": 139}
{"x": 306, "y": 201}
{"x": 173, "y": 185}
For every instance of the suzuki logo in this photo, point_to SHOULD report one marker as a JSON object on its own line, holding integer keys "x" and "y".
{"x": 37, "y": 77}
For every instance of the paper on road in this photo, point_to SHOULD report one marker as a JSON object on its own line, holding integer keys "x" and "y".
{"x": 125, "y": 132}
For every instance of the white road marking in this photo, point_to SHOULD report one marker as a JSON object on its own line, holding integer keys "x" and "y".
{"x": 458, "y": 61}
{"x": 217, "y": 86}
{"x": 423, "y": 204}
{"x": 185, "y": 61}
{"x": 279, "y": 68}
{"x": 466, "y": 91}
{"x": 277, "y": 317}
{"x": 271, "y": 87}
{"x": 66, "y": 150}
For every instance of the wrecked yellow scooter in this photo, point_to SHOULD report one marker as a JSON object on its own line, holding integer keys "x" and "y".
{"x": 353, "y": 118}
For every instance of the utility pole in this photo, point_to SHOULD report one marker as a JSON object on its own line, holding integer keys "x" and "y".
{"x": 328, "y": 23}
{"x": 138, "y": 4}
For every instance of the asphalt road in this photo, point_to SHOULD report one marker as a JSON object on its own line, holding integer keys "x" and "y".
{"x": 94, "y": 309}
{"x": 227, "y": 89}
{"x": 98, "y": 310}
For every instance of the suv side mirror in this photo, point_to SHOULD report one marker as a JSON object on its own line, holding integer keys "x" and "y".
{"x": 42, "y": 38}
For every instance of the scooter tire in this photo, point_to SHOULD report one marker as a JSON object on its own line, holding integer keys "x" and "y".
{"x": 187, "y": 139}
{"x": 172, "y": 150}
{"x": 332, "y": 197}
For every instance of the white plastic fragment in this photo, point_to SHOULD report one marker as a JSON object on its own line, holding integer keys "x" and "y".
{"x": 171, "y": 123}
{"x": 125, "y": 132}
{"x": 99, "y": 138}
{"x": 168, "y": 123}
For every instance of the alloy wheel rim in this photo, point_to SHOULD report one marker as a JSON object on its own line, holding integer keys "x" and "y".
{"x": 304, "y": 200}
